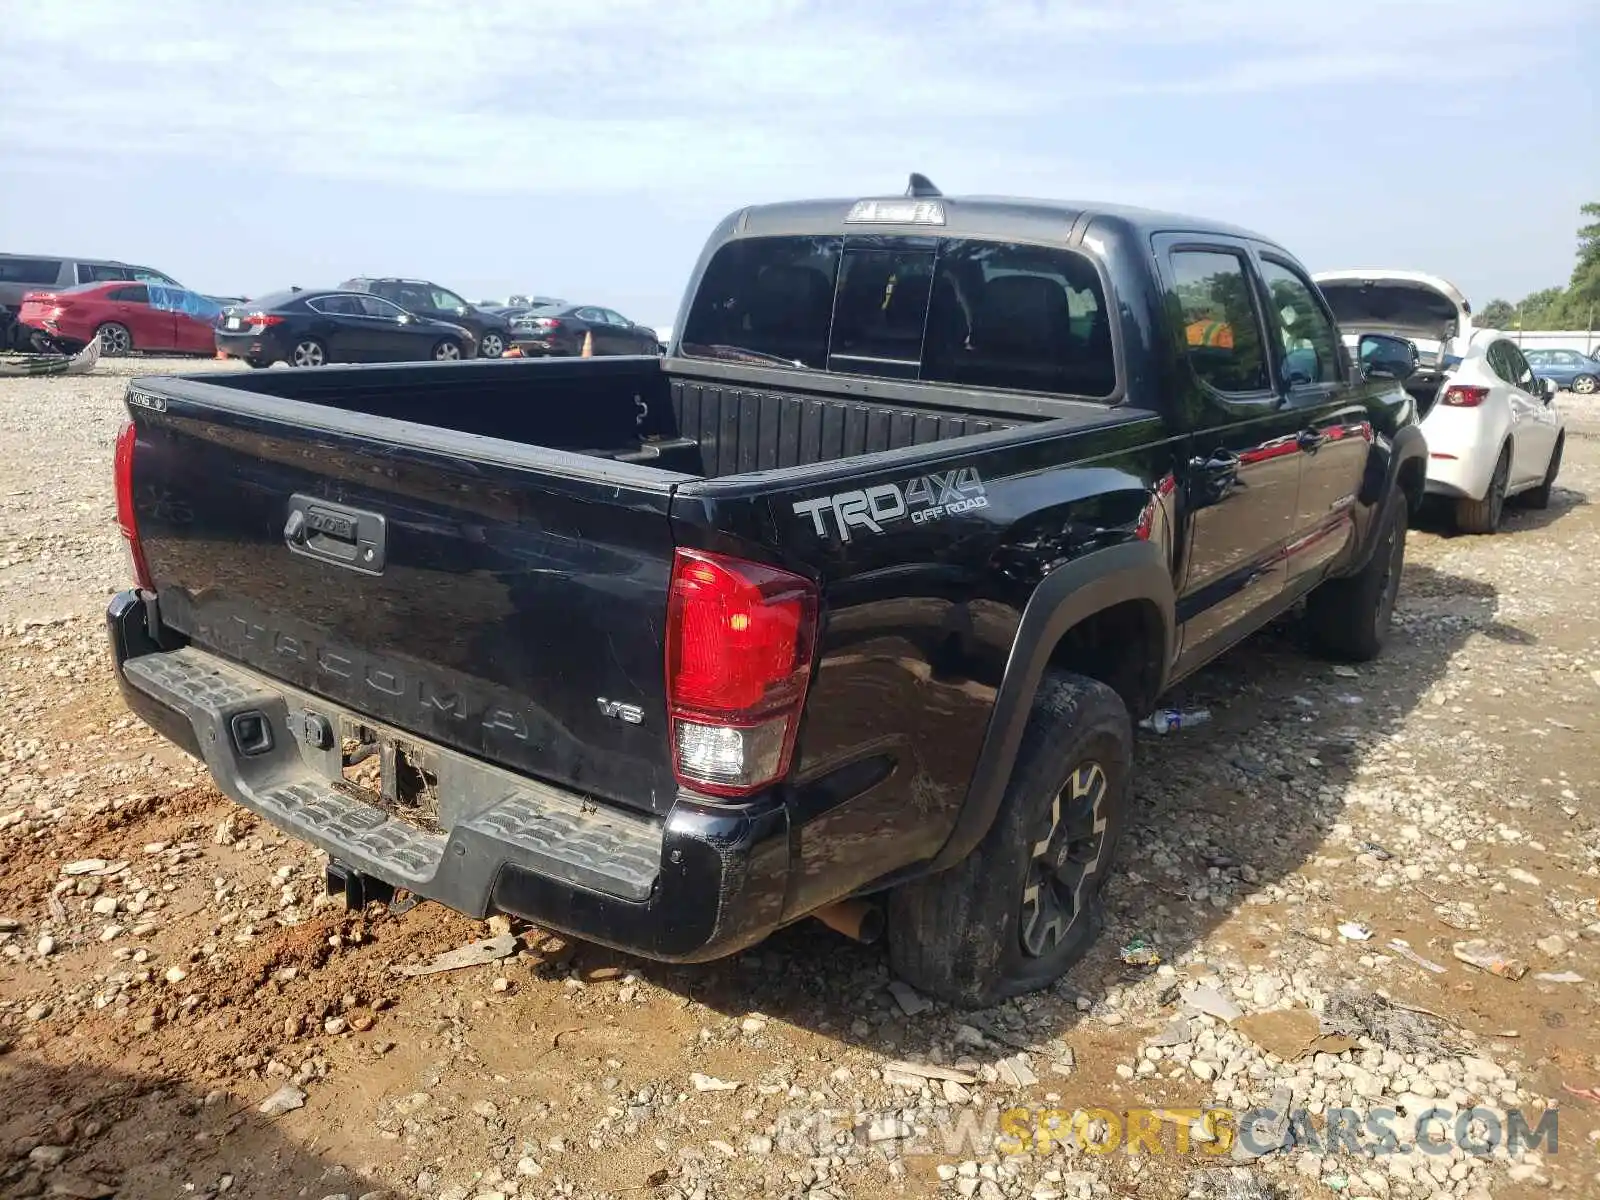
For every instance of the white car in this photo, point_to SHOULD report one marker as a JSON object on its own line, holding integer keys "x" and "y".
{"x": 1493, "y": 428}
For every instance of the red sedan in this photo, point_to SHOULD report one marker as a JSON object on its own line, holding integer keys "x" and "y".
{"x": 124, "y": 316}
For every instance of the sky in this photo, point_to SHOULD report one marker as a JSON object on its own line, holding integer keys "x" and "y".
{"x": 586, "y": 149}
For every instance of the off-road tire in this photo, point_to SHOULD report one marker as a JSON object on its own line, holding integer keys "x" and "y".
{"x": 1349, "y": 618}
{"x": 1539, "y": 497}
{"x": 958, "y": 935}
{"x": 1483, "y": 516}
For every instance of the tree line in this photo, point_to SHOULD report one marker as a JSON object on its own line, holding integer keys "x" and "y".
{"x": 1576, "y": 306}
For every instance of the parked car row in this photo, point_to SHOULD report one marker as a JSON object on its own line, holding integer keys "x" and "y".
{"x": 389, "y": 319}
{"x": 67, "y": 302}
{"x": 21, "y": 274}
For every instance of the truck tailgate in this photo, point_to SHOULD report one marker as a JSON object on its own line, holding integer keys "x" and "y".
{"x": 503, "y": 600}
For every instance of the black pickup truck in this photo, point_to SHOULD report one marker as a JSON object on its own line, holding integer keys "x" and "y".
{"x": 846, "y": 607}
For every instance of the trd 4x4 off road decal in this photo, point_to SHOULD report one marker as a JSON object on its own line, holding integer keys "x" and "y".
{"x": 923, "y": 499}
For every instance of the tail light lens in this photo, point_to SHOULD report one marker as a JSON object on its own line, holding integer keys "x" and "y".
{"x": 740, "y": 640}
{"x": 1460, "y": 396}
{"x": 127, "y": 518}
{"x": 546, "y": 323}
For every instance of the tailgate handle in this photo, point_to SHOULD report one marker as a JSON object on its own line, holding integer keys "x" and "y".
{"x": 334, "y": 533}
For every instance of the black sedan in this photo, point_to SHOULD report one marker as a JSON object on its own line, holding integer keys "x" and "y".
{"x": 561, "y": 331}
{"x": 310, "y": 328}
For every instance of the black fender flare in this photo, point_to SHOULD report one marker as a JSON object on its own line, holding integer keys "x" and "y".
{"x": 1069, "y": 594}
{"x": 1381, "y": 486}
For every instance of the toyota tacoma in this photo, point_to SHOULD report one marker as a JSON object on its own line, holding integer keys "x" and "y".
{"x": 845, "y": 607}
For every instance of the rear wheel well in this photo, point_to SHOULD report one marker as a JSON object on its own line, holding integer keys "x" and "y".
{"x": 1122, "y": 647}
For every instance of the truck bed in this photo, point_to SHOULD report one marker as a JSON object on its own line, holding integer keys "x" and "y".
{"x": 623, "y": 409}
{"x": 479, "y": 553}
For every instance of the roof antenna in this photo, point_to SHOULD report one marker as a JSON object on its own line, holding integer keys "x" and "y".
{"x": 921, "y": 185}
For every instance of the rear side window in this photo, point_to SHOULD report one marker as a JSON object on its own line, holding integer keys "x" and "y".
{"x": 336, "y": 306}
{"x": 1521, "y": 372}
{"x": 965, "y": 312}
{"x": 375, "y": 306}
{"x": 30, "y": 270}
{"x": 408, "y": 296}
{"x": 136, "y": 294}
{"x": 102, "y": 273}
{"x": 1221, "y": 329}
{"x": 1500, "y": 361}
{"x": 146, "y": 275}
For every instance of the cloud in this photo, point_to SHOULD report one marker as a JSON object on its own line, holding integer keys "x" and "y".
{"x": 710, "y": 95}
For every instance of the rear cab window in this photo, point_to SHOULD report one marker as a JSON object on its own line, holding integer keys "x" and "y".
{"x": 967, "y": 312}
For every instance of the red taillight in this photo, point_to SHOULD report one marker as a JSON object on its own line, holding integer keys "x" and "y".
{"x": 260, "y": 321}
{"x": 1462, "y": 396}
{"x": 546, "y": 323}
{"x": 740, "y": 639}
{"x": 127, "y": 518}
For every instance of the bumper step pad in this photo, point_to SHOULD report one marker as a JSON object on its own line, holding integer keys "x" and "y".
{"x": 521, "y": 821}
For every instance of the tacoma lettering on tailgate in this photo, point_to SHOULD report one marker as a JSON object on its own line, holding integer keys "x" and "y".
{"x": 923, "y": 499}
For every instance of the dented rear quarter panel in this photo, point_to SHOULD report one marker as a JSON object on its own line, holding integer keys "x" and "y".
{"x": 926, "y": 562}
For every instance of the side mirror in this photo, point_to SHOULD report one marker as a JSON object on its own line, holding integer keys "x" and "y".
{"x": 1549, "y": 387}
{"x": 1385, "y": 357}
{"x": 405, "y": 318}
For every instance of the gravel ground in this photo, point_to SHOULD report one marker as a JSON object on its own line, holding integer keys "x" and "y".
{"x": 182, "y": 1013}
